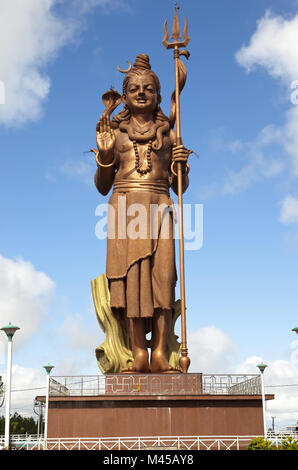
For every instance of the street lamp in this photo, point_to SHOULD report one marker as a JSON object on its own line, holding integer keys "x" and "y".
{"x": 48, "y": 369}
{"x": 1, "y": 392}
{"x": 261, "y": 368}
{"x": 38, "y": 408}
{"x": 10, "y": 331}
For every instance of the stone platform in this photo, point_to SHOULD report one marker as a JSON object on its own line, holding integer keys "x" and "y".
{"x": 155, "y": 405}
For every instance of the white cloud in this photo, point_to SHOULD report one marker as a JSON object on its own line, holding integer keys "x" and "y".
{"x": 79, "y": 343}
{"x": 80, "y": 170}
{"x": 25, "y": 294}
{"x": 265, "y": 155}
{"x": 289, "y": 210}
{"x": 280, "y": 379}
{"x": 274, "y": 47}
{"x": 290, "y": 137}
{"x": 237, "y": 181}
{"x": 77, "y": 334}
{"x": 27, "y": 383}
{"x": 31, "y": 36}
{"x": 275, "y": 149}
{"x": 210, "y": 350}
{"x": 269, "y": 155}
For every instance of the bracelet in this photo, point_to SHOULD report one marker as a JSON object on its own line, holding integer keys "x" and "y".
{"x": 185, "y": 173}
{"x": 102, "y": 164}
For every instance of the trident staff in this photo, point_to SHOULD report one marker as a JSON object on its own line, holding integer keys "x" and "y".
{"x": 180, "y": 78}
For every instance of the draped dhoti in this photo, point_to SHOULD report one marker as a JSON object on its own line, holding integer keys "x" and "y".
{"x": 140, "y": 263}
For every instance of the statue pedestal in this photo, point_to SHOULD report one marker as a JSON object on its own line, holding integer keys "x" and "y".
{"x": 140, "y": 405}
{"x": 153, "y": 384}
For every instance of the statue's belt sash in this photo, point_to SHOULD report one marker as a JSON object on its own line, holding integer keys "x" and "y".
{"x": 124, "y": 186}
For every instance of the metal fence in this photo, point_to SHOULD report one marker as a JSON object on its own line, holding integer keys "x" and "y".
{"x": 34, "y": 442}
{"x": 155, "y": 384}
{"x": 85, "y": 385}
{"x": 22, "y": 437}
{"x": 232, "y": 384}
{"x": 191, "y": 443}
{"x": 281, "y": 435}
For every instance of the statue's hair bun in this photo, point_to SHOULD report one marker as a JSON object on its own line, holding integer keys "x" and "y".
{"x": 142, "y": 62}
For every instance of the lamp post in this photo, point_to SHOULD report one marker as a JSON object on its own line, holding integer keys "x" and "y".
{"x": 261, "y": 368}
{"x": 10, "y": 331}
{"x": 48, "y": 369}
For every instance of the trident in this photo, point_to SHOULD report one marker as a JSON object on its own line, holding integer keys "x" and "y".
{"x": 184, "y": 360}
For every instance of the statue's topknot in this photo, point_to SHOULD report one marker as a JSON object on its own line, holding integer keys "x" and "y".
{"x": 142, "y": 62}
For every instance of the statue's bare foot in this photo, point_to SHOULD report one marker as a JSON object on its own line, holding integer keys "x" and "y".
{"x": 139, "y": 365}
{"x": 160, "y": 364}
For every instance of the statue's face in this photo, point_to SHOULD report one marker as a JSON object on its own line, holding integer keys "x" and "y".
{"x": 141, "y": 94}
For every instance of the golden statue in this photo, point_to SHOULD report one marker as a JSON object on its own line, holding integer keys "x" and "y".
{"x": 136, "y": 155}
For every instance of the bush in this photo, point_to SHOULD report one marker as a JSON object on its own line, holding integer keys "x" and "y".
{"x": 259, "y": 443}
{"x": 289, "y": 444}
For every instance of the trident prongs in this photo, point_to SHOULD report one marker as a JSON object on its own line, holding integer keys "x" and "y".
{"x": 175, "y": 34}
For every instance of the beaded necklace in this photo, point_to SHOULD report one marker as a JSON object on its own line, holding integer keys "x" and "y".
{"x": 148, "y": 158}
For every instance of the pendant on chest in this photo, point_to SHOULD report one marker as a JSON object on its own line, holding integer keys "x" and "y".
{"x": 145, "y": 154}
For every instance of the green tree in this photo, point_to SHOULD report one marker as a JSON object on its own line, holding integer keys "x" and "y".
{"x": 2, "y": 424}
{"x": 19, "y": 424}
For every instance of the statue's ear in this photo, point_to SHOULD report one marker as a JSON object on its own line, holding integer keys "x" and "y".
{"x": 124, "y": 99}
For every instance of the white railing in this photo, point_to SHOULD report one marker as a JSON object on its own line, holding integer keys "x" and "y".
{"x": 281, "y": 435}
{"x": 232, "y": 384}
{"x": 191, "y": 443}
{"x": 155, "y": 384}
{"x": 85, "y": 385}
{"x": 33, "y": 442}
{"x": 22, "y": 437}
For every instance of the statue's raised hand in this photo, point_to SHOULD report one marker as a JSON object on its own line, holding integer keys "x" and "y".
{"x": 105, "y": 138}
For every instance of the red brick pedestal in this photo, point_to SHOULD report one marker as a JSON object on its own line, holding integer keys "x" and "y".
{"x": 154, "y": 384}
{"x": 155, "y": 405}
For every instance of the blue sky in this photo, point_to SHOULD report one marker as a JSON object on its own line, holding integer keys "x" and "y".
{"x": 57, "y": 58}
